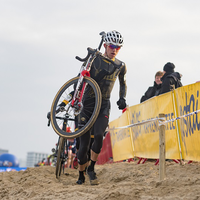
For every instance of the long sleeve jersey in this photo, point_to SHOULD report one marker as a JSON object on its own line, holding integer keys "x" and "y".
{"x": 105, "y": 74}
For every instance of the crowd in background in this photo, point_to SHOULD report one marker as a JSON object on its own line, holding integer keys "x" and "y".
{"x": 165, "y": 81}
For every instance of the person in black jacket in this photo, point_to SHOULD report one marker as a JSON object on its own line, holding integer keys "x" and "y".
{"x": 155, "y": 89}
{"x": 170, "y": 78}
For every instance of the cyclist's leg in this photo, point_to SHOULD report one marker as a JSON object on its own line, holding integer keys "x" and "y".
{"x": 84, "y": 140}
{"x": 83, "y": 148}
{"x": 99, "y": 129}
{"x": 89, "y": 151}
{"x": 82, "y": 156}
{"x": 100, "y": 126}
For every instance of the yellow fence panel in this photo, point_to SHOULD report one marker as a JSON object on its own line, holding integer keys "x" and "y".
{"x": 121, "y": 139}
{"x": 188, "y": 101}
{"x": 146, "y": 136}
{"x": 182, "y": 136}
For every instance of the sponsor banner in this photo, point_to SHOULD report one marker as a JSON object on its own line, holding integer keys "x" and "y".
{"x": 182, "y": 135}
{"x": 188, "y": 100}
{"x": 121, "y": 138}
{"x": 146, "y": 136}
{"x": 9, "y": 169}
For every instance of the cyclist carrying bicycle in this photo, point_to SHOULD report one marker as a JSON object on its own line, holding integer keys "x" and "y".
{"x": 105, "y": 74}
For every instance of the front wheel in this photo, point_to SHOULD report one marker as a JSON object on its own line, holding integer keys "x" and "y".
{"x": 69, "y": 115}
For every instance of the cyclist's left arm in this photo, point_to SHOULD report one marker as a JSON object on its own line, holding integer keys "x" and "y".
{"x": 122, "y": 81}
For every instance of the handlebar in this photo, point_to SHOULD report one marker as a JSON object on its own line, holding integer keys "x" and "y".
{"x": 49, "y": 121}
{"x": 103, "y": 34}
{"x": 93, "y": 51}
{"x": 90, "y": 51}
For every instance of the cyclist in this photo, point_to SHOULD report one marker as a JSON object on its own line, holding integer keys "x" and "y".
{"x": 105, "y": 74}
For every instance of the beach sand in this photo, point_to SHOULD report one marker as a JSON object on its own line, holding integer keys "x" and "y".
{"x": 118, "y": 181}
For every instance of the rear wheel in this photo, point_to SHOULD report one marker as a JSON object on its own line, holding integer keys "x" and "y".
{"x": 59, "y": 157}
{"x": 93, "y": 94}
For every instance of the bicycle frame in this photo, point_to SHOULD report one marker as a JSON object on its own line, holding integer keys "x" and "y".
{"x": 85, "y": 71}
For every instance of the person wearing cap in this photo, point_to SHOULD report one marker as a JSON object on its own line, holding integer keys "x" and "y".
{"x": 153, "y": 90}
{"x": 170, "y": 78}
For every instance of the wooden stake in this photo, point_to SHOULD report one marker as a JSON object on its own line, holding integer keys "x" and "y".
{"x": 162, "y": 167}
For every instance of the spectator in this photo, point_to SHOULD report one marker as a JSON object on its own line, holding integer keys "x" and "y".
{"x": 71, "y": 145}
{"x": 153, "y": 90}
{"x": 170, "y": 78}
{"x": 71, "y": 148}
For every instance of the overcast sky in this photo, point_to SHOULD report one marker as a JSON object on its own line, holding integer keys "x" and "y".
{"x": 39, "y": 41}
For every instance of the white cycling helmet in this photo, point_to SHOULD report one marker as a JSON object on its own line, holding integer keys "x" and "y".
{"x": 114, "y": 37}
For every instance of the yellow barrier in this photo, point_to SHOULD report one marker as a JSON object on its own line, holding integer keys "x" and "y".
{"x": 182, "y": 136}
{"x": 121, "y": 139}
{"x": 188, "y": 100}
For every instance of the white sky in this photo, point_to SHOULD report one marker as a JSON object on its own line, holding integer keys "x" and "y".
{"x": 39, "y": 41}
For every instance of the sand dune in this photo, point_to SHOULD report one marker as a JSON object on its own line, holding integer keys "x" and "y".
{"x": 117, "y": 181}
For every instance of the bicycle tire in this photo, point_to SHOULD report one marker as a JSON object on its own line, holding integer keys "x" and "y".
{"x": 59, "y": 157}
{"x": 61, "y": 94}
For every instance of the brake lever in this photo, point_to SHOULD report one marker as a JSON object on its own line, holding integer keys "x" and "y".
{"x": 49, "y": 122}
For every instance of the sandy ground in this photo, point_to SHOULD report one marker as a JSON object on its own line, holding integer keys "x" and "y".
{"x": 117, "y": 181}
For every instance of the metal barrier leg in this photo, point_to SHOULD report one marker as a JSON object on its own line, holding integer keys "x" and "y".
{"x": 140, "y": 159}
{"x": 145, "y": 159}
{"x": 157, "y": 162}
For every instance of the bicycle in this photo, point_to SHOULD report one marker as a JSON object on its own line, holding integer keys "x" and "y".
{"x": 70, "y": 98}
{"x": 61, "y": 151}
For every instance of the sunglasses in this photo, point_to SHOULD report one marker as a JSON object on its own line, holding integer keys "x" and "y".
{"x": 112, "y": 46}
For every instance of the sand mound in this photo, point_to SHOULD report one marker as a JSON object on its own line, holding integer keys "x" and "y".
{"x": 117, "y": 181}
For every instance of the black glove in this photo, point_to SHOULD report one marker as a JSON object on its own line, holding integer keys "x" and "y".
{"x": 121, "y": 103}
{"x": 48, "y": 115}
